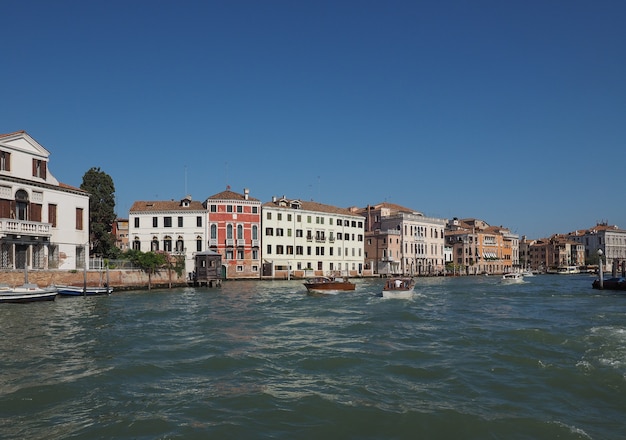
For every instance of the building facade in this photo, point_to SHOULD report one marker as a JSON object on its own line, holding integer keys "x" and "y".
{"x": 401, "y": 241}
{"x": 310, "y": 238}
{"x": 234, "y": 223}
{"x": 44, "y": 224}
{"x": 479, "y": 248}
{"x": 176, "y": 228}
{"x": 610, "y": 239}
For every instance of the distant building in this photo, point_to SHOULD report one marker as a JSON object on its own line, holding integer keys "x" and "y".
{"x": 399, "y": 240}
{"x": 234, "y": 222}
{"x": 548, "y": 254}
{"x": 174, "y": 227}
{"x": 478, "y": 247}
{"x": 44, "y": 224}
{"x": 119, "y": 230}
{"x": 310, "y": 237}
{"x": 610, "y": 239}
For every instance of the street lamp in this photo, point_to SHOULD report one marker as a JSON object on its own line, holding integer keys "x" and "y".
{"x": 600, "y": 270}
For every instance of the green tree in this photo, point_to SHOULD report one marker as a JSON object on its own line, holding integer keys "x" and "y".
{"x": 101, "y": 191}
{"x": 149, "y": 262}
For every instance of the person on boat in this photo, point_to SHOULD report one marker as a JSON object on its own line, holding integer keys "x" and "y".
{"x": 398, "y": 283}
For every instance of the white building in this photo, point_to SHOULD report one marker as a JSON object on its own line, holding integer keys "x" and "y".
{"x": 298, "y": 236}
{"x": 177, "y": 228}
{"x": 44, "y": 224}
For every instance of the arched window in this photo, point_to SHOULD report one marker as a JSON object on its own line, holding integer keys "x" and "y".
{"x": 214, "y": 232}
{"x": 229, "y": 231}
{"x": 167, "y": 244}
{"x": 180, "y": 246}
{"x": 154, "y": 245}
{"x": 239, "y": 232}
{"x": 255, "y": 232}
{"x": 136, "y": 244}
{"x": 21, "y": 204}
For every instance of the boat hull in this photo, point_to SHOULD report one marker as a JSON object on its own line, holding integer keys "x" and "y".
{"x": 80, "y": 291}
{"x": 330, "y": 287}
{"x": 26, "y": 294}
{"x": 400, "y": 288}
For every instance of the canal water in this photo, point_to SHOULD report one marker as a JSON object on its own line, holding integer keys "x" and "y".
{"x": 468, "y": 358}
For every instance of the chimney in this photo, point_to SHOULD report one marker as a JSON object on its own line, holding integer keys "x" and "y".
{"x": 246, "y": 193}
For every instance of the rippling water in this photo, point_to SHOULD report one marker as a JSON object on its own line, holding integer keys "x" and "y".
{"x": 467, "y": 358}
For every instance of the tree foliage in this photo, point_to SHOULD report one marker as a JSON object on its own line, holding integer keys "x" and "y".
{"x": 149, "y": 262}
{"x": 101, "y": 191}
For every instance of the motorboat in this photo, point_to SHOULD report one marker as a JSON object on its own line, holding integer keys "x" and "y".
{"x": 28, "y": 292}
{"x": 398, "y": 288}
{"x": 512, "y": 277}
{"x": 329, "y": 285}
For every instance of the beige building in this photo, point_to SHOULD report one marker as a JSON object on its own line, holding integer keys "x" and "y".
{"x": 479, "y": 248}
{"x": 303, "y": 238}
{"x": 399, "y": 240}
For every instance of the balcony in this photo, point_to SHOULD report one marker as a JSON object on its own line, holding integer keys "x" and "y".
{"x": 230, "y": 242}
{"x": 241, "y": 242}
{"x": 255, "y": 243}
{"x": 213, "y": 242}
{"x": 12, "y": 226}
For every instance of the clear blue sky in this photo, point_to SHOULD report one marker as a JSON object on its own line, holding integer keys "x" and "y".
{"x": 509, "y": 111}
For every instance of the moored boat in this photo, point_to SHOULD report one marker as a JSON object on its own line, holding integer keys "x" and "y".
{"x": 615, "y": 283}
{"x": 329, "y": 285}
{"x": 398, "y": 288}
{"x": 28, "y": 292}
{"x": 83, "y": 291}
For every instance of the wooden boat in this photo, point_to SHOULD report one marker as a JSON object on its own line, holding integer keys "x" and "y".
{"x": 27, "y": 293}
{"x": 329, "y": 285}
{"x": 83, "y": 291}
{"x": 398, "y": 288}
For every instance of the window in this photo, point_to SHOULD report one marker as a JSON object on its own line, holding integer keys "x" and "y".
{"x": 269, "y": 249}
{"x": 136, "y": 222}
{"x": 269, "y": 231}
{"x": 21, "y": 204}
{"x": 255, "y": 254}
{"x": 240, "y": 255}
{"x": 199, "y": 221}
{"x": 214, "y": 232}
{"x": 79, "y": 219}
{"x": 39, "y": 168}
{"x": 52, "y": 215}
{"x": 269, "y": 216}
{"x": 229, "y": 254}
{"x": 229, "y": 232}
{"x": 280, "y": 216}
{"x": 289, "y": 250}
{"x": 255, "y": 210}
{"x": 279, "y": 232}
{"x": 136, "y": 244}
{"x": 239, "y": 208}
{"x": 167, "y": 222}
{"x": 198, "y": 244}
{"x": 155, "y": 222}
{"x": 154, "y": 245}
{"x": 239, "y": 232}
{"x": 255, "y": 232}
{"x": 279, "y": 249}
{"x": 5, "y": 161}
{"x": 180, "y": 222}
{"x": 180, "y": 245}
{"x": 213, "y": 208}
{"x": 167, "y": 244}
{"x": 229, "y": 208}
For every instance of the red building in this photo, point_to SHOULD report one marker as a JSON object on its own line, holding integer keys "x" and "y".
{"x": 234, "y": 228}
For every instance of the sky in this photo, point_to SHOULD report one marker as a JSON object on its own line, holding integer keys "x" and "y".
{"x": 513, "y": 112}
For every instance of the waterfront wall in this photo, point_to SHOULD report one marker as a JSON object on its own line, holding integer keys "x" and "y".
{"x": 118, "y": 279}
